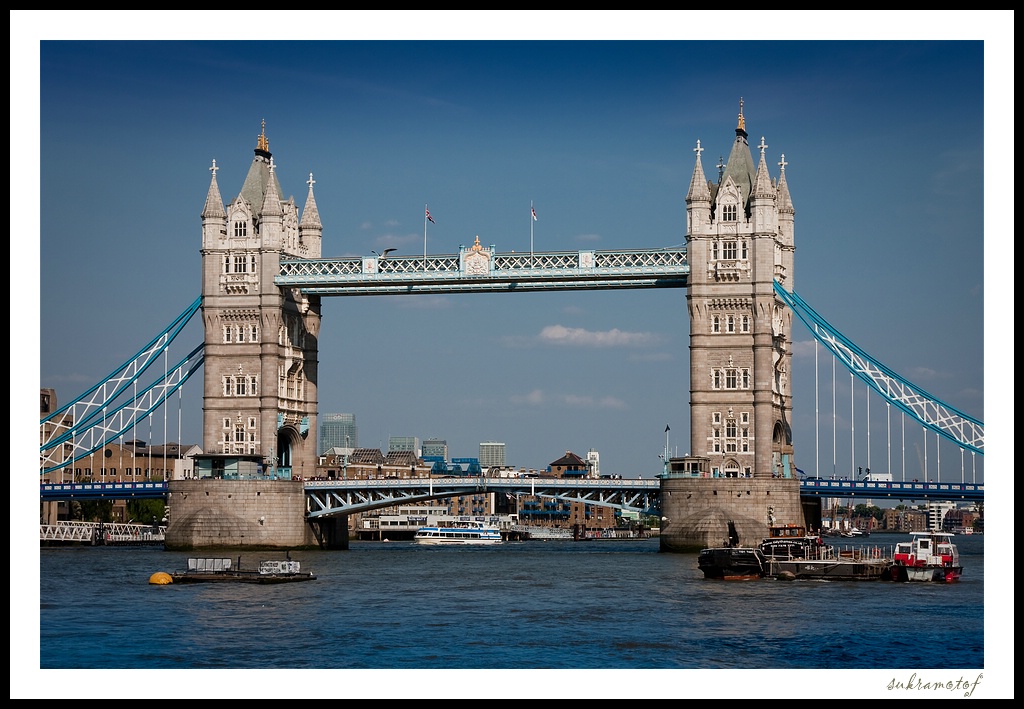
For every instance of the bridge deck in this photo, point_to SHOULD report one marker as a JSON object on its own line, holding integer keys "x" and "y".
{"x": 350, "y": 496}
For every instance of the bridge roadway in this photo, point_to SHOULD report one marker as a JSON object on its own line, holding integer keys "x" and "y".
{"x": 332, "y": 497}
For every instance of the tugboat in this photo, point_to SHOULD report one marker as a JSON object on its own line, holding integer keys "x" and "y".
{"x": 928, "y": 556}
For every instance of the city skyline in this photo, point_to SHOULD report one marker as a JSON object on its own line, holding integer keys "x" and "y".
{"x": 554, "y": 145}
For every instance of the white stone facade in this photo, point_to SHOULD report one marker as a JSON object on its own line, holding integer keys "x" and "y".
{"x": 739, "y": 241}
{"x": 260, "y": 366}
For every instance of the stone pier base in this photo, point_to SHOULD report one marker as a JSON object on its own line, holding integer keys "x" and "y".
{"x": 710, "y": 512}
{"x": 242, "y": 514}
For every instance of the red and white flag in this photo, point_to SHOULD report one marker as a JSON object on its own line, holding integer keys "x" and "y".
{"x": 429, "y": 218}
{"x": 534, "y": 213}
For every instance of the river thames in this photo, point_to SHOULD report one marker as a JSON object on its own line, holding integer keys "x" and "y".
{"x": 616, "y": 619}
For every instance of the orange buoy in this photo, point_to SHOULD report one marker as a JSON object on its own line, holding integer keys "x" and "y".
{"x": 160, "y": 578}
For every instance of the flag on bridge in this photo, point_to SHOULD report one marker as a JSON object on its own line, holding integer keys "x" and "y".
{"x": 533, "y": 212}
{"x": 429, "y": 218}
{"x": 667, "y": 429}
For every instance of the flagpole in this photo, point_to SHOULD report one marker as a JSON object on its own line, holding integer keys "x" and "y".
{"x": 425, "y": 213}
{"x": 666, "y": 447}
{"x": 533, "y": 218}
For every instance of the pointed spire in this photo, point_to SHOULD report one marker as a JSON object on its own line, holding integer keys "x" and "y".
{"x": 784, "y": 201}
{"x": 262, "y": 144}
{"x": 740, "y": 165}
{"x": 762, "y": 181}
{"x": 698, "y": 183}
{"x": 272, "y": 199}
{"x": 310, "y": 214}
{"x": 214, "y": 204}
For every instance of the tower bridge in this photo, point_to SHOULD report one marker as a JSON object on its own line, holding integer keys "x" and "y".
{"x": 263, "y": 280}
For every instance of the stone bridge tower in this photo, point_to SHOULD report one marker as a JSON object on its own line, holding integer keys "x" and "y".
{"x": 739, "y": 242}
{"x": 260, "y": 365}
{"x": 740, "y": 476}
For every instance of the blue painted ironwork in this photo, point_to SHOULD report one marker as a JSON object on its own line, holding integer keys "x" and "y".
{"x": 51, "y": 492}
{"x": 479, "y": 269}
{"x": 817, "y": 487}
{"x": 95, "y": 419}
{"x": 963, "y": 430}
{"x": 330, "y": 498}
{"x": 333, "y": 497}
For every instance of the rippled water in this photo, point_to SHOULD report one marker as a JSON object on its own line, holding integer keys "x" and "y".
{"x": 598, "y": 605}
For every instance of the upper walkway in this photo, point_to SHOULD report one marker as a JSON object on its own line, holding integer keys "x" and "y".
{"x": 482, "y": 269}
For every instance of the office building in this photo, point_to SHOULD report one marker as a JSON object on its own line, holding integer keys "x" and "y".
{"x": 404, "y": 443}
{"x": 338, "y": 431}
{"x": 492, "y": 454}
{"x": 435, "y": 448}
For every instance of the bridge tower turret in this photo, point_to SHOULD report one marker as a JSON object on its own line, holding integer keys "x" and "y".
{"x": 739, "y": 477}
{"x": 739, "y": 241}
{"x": 260, "y": 360}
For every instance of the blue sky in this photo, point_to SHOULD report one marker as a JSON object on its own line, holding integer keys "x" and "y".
{"x": 883, "y": 136}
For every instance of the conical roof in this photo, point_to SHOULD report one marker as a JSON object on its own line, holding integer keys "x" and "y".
{"x": 254, "y": 189}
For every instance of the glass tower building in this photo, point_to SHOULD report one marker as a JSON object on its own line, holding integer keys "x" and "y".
{"x": 337, "y": 431}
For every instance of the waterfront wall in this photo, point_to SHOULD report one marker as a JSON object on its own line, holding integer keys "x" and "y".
{"x": 711, "y": 512}
{"x": 254, "y": 514}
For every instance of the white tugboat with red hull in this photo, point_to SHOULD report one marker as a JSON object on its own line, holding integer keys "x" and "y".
{"x": 928, "y": 556}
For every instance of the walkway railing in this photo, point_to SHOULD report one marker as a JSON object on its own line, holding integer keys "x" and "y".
{"x": 101, "y": 533}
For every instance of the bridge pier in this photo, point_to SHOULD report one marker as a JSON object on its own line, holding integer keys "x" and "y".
{"x": 710, "y": 512}
{"x": 331, "y": 532}
{"x": 240, "y": 514}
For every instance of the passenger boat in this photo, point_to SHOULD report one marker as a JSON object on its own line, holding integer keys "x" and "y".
{"x": 223, "y": 571}
{"x": 471, "y": 532}
{"x": 732, "y": 563}
{"x": 792, "y": 541}
{"x": 792, "y": 553}
{"x": 928, "y": 556}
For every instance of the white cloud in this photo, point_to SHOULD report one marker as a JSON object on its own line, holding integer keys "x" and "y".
{"x": 590, "y": 402}
{"x": 537, "y": 397}
{"x": 534, "y": 398}
{"x": 561, "y": 335}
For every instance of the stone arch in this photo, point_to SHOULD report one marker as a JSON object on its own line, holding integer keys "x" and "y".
{"x": 288, "y": 440}
{"x": 731, "y": 468}
{"x": 782, "y": 450}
